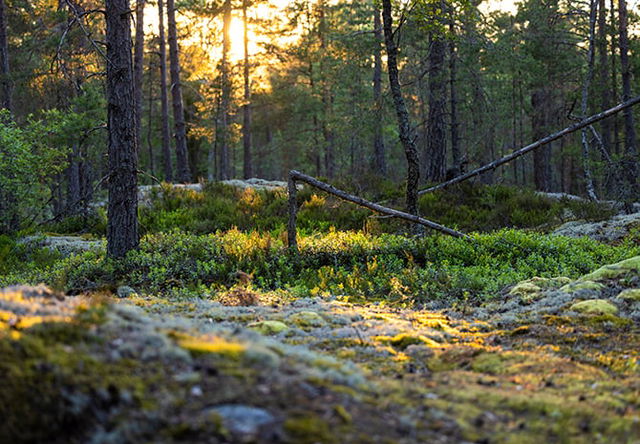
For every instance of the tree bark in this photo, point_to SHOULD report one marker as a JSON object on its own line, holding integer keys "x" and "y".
{"x": 182, "y": 158}
{"x": 435, "y": 154}
{"x": 164, "y": 98}
{"x": 630, "y": 165}
{"x": 405, "y": 131}
{"x": 138, "y": 68}
{"x": 5, "y": 72}
{"x": 246, "y": 108}
{"x": 122, "y": 223}
{"x": 586, "y": 148}
{"x": 379, "y": 156}
{"x": 456, "y": 156}
{"x": 225, "y": 102}
{"x": 327, "y": 99}
{"x": 540, "y": 99}
{"x": 603, "y": 68}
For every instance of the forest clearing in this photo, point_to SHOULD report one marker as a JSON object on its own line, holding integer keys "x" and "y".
{"x": 326, "y": 221}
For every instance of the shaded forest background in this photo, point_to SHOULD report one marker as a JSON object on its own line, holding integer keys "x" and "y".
{"x": 240, "y": 89}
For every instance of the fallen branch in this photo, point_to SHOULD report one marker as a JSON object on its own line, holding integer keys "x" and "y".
{"x": 542, "y": 142}
{"x": 295, "y": 176}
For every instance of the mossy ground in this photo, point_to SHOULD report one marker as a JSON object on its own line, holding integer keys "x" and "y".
{"x": 359, "y": 338}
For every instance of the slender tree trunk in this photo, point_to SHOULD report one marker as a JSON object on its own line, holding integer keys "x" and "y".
{"x": 614, "y": 77}
{"x": 542, "y": 157}
{"x": 586, "y": 149}
{"x": 246, "y": 127}
{"x": 406, "y": 133}
{"x": 122, "y": 224}
{"x": 138, "y": 68}
{"x": 453, "y": 91}
{"x": 379, "y": 157}
{"x": 327, "y": 99}
{"x": 631, "y": 152}
{"x": 182, "y": 158}
{"x": 225, "y": 102}
{"x": 5, "y": 72}
{"x": 603, "y": 68}
{"x": 150, "y": 126}
{"x": 435, "y": 154}
{"x": 164, "y": 97}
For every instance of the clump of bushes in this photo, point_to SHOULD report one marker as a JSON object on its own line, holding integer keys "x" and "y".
{"x": 350, "y": 265}
{"x": 468, "y": 207}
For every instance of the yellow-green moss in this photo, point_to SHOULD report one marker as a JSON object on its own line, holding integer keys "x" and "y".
{"x": 630, "y": 295}
{"x": 595, "y": 307}
{"x": 268, "y": 327}
{"x": 308, "y": 430}
{"x": 582, "y": 285}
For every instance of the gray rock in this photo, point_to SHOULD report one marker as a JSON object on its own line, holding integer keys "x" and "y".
{"x": 125, "y": 291}
{"x": 242, "y": 421}
{"x": 610, "y": 230}
{"x": 65, "y": 245}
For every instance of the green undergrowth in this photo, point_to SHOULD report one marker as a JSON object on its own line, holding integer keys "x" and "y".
{"x": 469, "y": 207}
{"x": 349, "y": 265}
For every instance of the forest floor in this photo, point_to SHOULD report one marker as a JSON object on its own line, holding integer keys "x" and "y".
{"x": 556, "y": 360}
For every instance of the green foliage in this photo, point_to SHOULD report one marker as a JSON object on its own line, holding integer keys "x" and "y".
{"x": 469, "y": 207}
{"x": 19, "y": 260}
{"x": 25, "y": 166}
{"x": 349, "y": 265}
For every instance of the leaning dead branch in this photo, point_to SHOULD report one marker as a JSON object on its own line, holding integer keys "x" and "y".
{"x": 296, "y": 176}
{"x": 535, "y": 145}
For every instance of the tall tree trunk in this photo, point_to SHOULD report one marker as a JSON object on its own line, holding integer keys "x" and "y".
{"x": 246, "y": 127}
{"x": 435, "y": 154}
{"x": 164, "y": 97}
{"x": 456, "y": 156}
{"x": 122, "y": 213}
{"x": 614, "y": 76}
{"x": 586, "y": 149}
{"x": 151, "y": 119}
{"x": 225, "y": 102}
{"x": 540, "y": 99}
{"x": 182, "y": 159}
{"x": 138, "y": 68}
{"x": 406, "y": 133}
{"x": 327, "y": 99}
{"x": 379, "y": 157}
{"x": 5, "y": 80}
{"x": 631, "y": 152}
{"x": 603, "y": 71}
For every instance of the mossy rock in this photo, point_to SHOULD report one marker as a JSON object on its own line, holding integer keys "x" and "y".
{"x": 404, "y": 340}
{"x": 595, "y": 307}
{"x": 307, "y": 319}
{"x": 268, "y": 328}
{"x": 582, "y": 286}
{"x": 496, "y": 363}
{"x": 532, "y": 288}
{"x": 630, "y": 295}
{"x": 614, "y": 271}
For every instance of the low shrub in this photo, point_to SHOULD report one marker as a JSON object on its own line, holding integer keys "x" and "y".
{"x": 351, "y": 265}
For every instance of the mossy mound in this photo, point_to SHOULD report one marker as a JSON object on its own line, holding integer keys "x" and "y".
{"x": 595, "y": 307}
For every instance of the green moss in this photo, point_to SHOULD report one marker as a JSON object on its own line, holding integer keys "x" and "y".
{"x": 595, "y": 307}
{"x": 496, "y": 363}
{"x": 630, "y": 295}
{"x": 307, "y": 319}
{"x": 404, "y": 340}
{"x": 615, "y": 271}
{"x": 308, "y": 429}
{"x": 582, "y": 285}
{"x": 268, "y": 328}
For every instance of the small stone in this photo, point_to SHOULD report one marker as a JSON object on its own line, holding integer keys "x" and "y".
{"x": 630, "y": 295}
{"x": 196, "y": 391}
{"x": 125, "y": 292}
{"x": 243, "y": 421}
{"x": 595, "y": 307}
{"x": 268, "y": 328}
